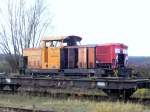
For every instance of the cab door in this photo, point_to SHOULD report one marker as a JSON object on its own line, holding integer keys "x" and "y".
{"x": 54, "y": 58}
{"x": 121, "y": 59}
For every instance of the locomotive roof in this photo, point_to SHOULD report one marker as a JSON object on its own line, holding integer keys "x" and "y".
{"x": 64, "y": 38}
{"x": 113, "y": 44}
{"x": 81, "y": 46}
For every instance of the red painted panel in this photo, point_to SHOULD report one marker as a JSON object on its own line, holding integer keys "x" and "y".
{"x": 105, "y": 53}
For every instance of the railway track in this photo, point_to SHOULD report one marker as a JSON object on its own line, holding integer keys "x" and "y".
{"x": 17, "y": 109}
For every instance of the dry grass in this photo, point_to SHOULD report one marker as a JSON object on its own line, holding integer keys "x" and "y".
{"x": 68, "y": 105}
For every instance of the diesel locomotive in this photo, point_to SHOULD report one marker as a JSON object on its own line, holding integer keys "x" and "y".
{"x": 65, "y": 56}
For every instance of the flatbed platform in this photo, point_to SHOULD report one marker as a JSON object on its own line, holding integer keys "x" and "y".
{"x": 121, "y": 87}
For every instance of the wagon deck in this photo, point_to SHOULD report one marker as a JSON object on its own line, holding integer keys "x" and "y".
{"x": 119, "y": 87}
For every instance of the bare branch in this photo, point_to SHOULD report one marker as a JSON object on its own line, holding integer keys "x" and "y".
{"x": 23, "y": 29}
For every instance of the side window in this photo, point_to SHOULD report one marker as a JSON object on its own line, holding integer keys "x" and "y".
{"x": 125, "y": 51}
{"x": 126, "y": 60}
{"x": 117, "y": 50}
{"x": 53, "y": 44}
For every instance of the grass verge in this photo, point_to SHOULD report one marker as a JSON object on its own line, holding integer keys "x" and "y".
{"x": 68, "y": 105}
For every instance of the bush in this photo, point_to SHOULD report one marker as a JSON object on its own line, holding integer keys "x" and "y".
{"x": 4, "y": 67}
{"x": 143, "y": 70}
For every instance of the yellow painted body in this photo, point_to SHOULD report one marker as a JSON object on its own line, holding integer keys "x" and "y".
{"x": 51, "y": 58}
{"x": 44, "y": 58}
{"x": 34, "y": 57}
{"x": 54, "y": 58}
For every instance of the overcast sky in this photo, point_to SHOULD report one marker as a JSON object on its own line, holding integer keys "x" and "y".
{"x": 103, "y": 21}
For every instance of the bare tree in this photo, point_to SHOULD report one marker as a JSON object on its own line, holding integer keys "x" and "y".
{"x": 24, "y": 27}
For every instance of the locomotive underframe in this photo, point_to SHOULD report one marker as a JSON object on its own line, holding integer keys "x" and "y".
{"x": 78, "y": 72}
{"x": 66, "y": 72}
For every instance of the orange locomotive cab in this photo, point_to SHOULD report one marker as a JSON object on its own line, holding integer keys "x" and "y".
{"x": 48, "y": 59}
{"x": 50, "y": 55}
{"x": 52, "y": 50}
